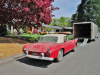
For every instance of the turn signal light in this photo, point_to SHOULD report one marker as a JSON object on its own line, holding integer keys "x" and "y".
{"x": 48, "y": 52}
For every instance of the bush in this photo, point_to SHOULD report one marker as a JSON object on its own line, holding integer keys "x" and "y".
{"x": 3, "y": 30}
{"x": 43, "y": 33}
{"x": 99, "y": 29}
{"x": 48, "y": 29}
{"x": 24, "y": 28}
{"x": 32, "y": 39}
{"x": 8, "y": 32}
{"x": 29, "y": 32}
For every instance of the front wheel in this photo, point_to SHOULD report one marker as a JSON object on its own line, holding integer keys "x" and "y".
{"x": 60, "y": 55}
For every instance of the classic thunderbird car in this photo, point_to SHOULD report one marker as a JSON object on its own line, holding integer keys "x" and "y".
{"x": 50, "y": 47}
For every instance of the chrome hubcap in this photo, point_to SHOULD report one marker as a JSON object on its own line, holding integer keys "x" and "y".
{"x": 60, "y": 55}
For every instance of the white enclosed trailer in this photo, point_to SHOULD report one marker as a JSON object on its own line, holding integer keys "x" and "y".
{"x": 85, "y": 30}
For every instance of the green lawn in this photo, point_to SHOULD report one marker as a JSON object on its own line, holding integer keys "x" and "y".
{"x": 25, "y": 35}
{"x": 31, "y": 35}
{"x": 70, "y": 37}
{"x": 36, "y": 36}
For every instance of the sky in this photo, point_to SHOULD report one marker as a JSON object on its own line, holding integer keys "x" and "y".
{"x": 66, "y": 7}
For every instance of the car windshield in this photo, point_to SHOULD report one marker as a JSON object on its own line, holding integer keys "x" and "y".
{"x": 51, "y": 39}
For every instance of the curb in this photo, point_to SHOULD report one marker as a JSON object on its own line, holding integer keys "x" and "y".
{"x": 9, "y": 58}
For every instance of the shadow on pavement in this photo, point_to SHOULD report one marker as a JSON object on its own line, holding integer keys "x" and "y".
{"x": 35, "y": 62}
{"x": 38, "y": 63}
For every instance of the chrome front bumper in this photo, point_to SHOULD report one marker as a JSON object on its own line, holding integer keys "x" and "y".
{"x": 38, "y": 57}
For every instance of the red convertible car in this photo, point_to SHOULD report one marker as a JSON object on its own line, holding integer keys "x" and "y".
{"x": 50, "y": 47}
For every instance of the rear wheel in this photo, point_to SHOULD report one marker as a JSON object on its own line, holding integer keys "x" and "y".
{"x": 60, "y": 55}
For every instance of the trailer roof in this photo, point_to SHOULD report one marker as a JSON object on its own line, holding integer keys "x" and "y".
{"x": 82, "y": 22}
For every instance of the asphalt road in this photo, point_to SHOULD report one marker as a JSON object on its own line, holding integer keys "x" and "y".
{"x": 84, "y": 61}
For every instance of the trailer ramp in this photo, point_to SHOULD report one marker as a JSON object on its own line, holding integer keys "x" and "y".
{"x": 84, "y": 42}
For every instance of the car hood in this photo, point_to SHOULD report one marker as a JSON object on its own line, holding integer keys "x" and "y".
{"x": 39, "y": 47}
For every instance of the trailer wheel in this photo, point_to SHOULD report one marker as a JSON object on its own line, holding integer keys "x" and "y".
{"x": 94, "y": 39}
{"x": 97, "y": 36}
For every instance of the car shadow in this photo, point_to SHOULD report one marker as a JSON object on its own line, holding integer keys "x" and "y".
{"x": 35, "y": 62}
{"x": 68, "y": 53}
{"x": 38, "y": 63}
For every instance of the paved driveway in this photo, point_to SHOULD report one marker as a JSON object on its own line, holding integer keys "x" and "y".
{"x": 84, "y": 61}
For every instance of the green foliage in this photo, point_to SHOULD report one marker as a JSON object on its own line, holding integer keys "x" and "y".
{"x": 55, "y": 21}
{"x": 88, "y": 10}
{"x": 70, "y": 37}
{"x": 8, "y": 32}
{"x": 33, "y": 39}
{"x": 48, "y": 29}
{"x": 3, "y": 30}
{"x": 63, "y": 21}
{"x": 24, "y": 29}
{"x": 99, "y": 29}
{"x": 31, "y": 36}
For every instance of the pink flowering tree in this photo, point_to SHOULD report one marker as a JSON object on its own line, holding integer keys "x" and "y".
{"x": 26, "y": 12}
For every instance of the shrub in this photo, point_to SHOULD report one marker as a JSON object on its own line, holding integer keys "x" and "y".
{"x": 29, "y": 32}
{"x": 3, "y": 30}
{"x": 8, "y": 32}
{"x": 99, "y": 29}
{"x": 32, "y": 39}
{"x": 43, "y": 33}
{"x": 48, "y": 29}
{"x": 24, "y": 29}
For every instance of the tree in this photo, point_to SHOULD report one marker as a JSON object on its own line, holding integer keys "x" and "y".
{"x": 48, "y": 29}
{"x": 3, "y": 30}
{"x": 26, "y": 12}
{"x": 63, "y": 21}
{"x": 54, "y": 22}
{"x": 87, "y": 11}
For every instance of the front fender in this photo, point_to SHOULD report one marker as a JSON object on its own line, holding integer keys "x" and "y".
{"x": 54, "y": 52}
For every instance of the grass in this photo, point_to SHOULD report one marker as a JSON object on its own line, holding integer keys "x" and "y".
{"x": 31, "y": 35}
{"x": 70, "y": 37}
{"x": 9, "y": 49}
{"x": 11, "y": 46}
{"x": 25, "y": 35}
{"x": 36, "y": 36}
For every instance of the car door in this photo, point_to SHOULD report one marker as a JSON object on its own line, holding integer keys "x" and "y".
{"x": 67, "y": 44}
{"x": 72, "y": 44}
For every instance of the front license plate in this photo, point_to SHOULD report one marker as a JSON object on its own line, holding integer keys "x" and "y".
{"x": 35, "y": 54}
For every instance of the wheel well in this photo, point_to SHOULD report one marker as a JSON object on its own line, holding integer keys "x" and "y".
{"x": 63, "y": 50}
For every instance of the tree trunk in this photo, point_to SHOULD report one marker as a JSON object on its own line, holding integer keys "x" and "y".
{"x": 18, "y": 30}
